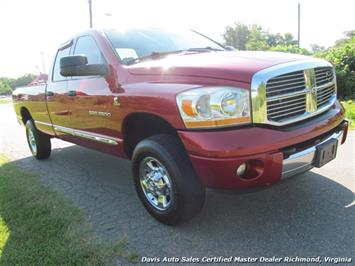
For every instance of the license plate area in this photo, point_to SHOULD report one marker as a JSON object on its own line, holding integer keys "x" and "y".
{"x": 325, "y": 152}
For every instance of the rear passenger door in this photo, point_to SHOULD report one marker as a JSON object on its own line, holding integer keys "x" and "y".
{"x": 58, "y": 102}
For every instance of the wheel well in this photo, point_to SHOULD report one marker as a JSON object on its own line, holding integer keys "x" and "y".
{"x": 139, "y": 126}
{"x": 25, "y": 114}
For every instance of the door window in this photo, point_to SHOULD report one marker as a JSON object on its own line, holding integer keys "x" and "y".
{"x": 87, "y": 46}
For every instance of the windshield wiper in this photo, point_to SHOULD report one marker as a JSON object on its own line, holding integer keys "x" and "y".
{"x": 153, "y": 55}
{"x": 158, "y": 55}
{"x": 204, "y": 49}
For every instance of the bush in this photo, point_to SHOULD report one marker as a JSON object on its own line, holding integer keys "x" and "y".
{"x": 290, "y": 49}
{"x": 342, "y": 56}
{"x": 5, "y": 88}
{"x": 349, "y": 106}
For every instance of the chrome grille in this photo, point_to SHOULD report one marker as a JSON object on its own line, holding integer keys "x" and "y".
{"x": 326, "y": 87}
{"x": 298, "y": 94}
{"x": 324, "y": 94}
{"x": 286, "y": 108}
{"x": 287, "y": 83}
{"x": 280, "y": 107}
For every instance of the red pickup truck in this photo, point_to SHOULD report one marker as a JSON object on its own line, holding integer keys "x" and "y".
{"x": 189, "y": 112}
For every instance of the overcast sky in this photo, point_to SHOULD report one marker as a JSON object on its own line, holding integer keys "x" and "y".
{"x": 28, "y": 28}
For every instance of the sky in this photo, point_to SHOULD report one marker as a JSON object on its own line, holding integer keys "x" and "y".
{"x": 30, "y": 29}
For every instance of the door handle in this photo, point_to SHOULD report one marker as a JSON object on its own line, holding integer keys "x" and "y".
{"x": 50, "y": 93}
{"x": 71, "y": 93}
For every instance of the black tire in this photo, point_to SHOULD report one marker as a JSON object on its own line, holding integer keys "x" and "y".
{"x": 40, "y": 146}
{"x": 187, "y": 193}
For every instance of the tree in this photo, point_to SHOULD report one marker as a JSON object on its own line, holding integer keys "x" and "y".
{"x": 342, "y": 56}
{"x": 289, "y": 39}
{"x": 11, "y": 83}
{"x": 8, "y": 81}
{"x": 257, "y": 40}
{"x": 24, "y": 80}
{"x": 294, "y": 49}
{"x": 317, "y": 48}
{"x": 254, "y": 37}
{"x": 277, "y": 39}
{"x": 348, "y": 35}
{"x": 4, "y": 88}
{"x": 236, "y": 35}
{"x": 274, "y": 39}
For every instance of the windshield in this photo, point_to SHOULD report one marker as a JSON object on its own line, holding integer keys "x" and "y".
{"x": 142, "y": 43}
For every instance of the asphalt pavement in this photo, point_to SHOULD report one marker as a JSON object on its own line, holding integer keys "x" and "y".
{"x": 312, "y": 214}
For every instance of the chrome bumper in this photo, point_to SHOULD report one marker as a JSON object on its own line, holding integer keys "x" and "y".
{"x": 302, "y": 161}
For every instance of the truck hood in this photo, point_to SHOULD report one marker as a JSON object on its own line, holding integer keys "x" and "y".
{"x": 238, "y": 66}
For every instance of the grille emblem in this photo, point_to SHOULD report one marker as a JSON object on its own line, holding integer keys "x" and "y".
{"x": 311, "y": 90}
{"x": 314, "y": 91}
{"x": 328, "y": 76}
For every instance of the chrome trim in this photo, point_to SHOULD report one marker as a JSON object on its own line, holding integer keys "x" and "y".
{"x": 286, "y": 95}
{"x": 43, "y": 123}
{"x": 300, "y": 162}
{"x": 311, "y": 91}
{"x": 86, "y": 135}
{"x": 258, "y": 90}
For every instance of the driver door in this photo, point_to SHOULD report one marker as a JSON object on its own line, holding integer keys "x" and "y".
{"x": 93, "y": 113}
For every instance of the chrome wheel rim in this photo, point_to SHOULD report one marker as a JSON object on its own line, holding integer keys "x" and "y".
{"x": 32, "y": 141}
{"x": 155, "y": 183}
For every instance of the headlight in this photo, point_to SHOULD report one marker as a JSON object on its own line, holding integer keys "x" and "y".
{"x": 214, "y": 107}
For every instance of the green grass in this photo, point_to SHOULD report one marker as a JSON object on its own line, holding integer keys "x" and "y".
{"x": 5, "y": 101}
{"x": 39, "y": 227}
{"x": 349, "y": 106}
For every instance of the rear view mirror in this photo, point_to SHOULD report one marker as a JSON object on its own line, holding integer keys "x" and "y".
{"x": 77, "y": 65}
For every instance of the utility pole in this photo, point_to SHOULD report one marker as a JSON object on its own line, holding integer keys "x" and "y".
{"x": 90, "y": 12}
{"x": 299, "y": 25}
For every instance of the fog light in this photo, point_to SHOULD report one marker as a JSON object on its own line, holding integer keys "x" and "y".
{"x": 242, "y": 169}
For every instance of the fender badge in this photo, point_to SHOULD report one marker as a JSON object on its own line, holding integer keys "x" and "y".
{"x": 99, "y": 113}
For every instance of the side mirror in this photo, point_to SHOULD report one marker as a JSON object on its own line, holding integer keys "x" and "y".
{"x": 77, "y": 65}
{"x": 230, "y": 48}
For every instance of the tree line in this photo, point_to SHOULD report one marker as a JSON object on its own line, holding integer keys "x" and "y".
{"x": 7, "y": 85}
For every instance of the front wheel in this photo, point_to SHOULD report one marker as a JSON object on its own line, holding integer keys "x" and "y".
{"x": 39, "y": 143}
{"x": 165, "y": 180}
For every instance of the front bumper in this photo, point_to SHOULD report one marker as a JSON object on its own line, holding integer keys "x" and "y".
{"x": 302, "y": 160}
{"x": 272, "y": 153}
